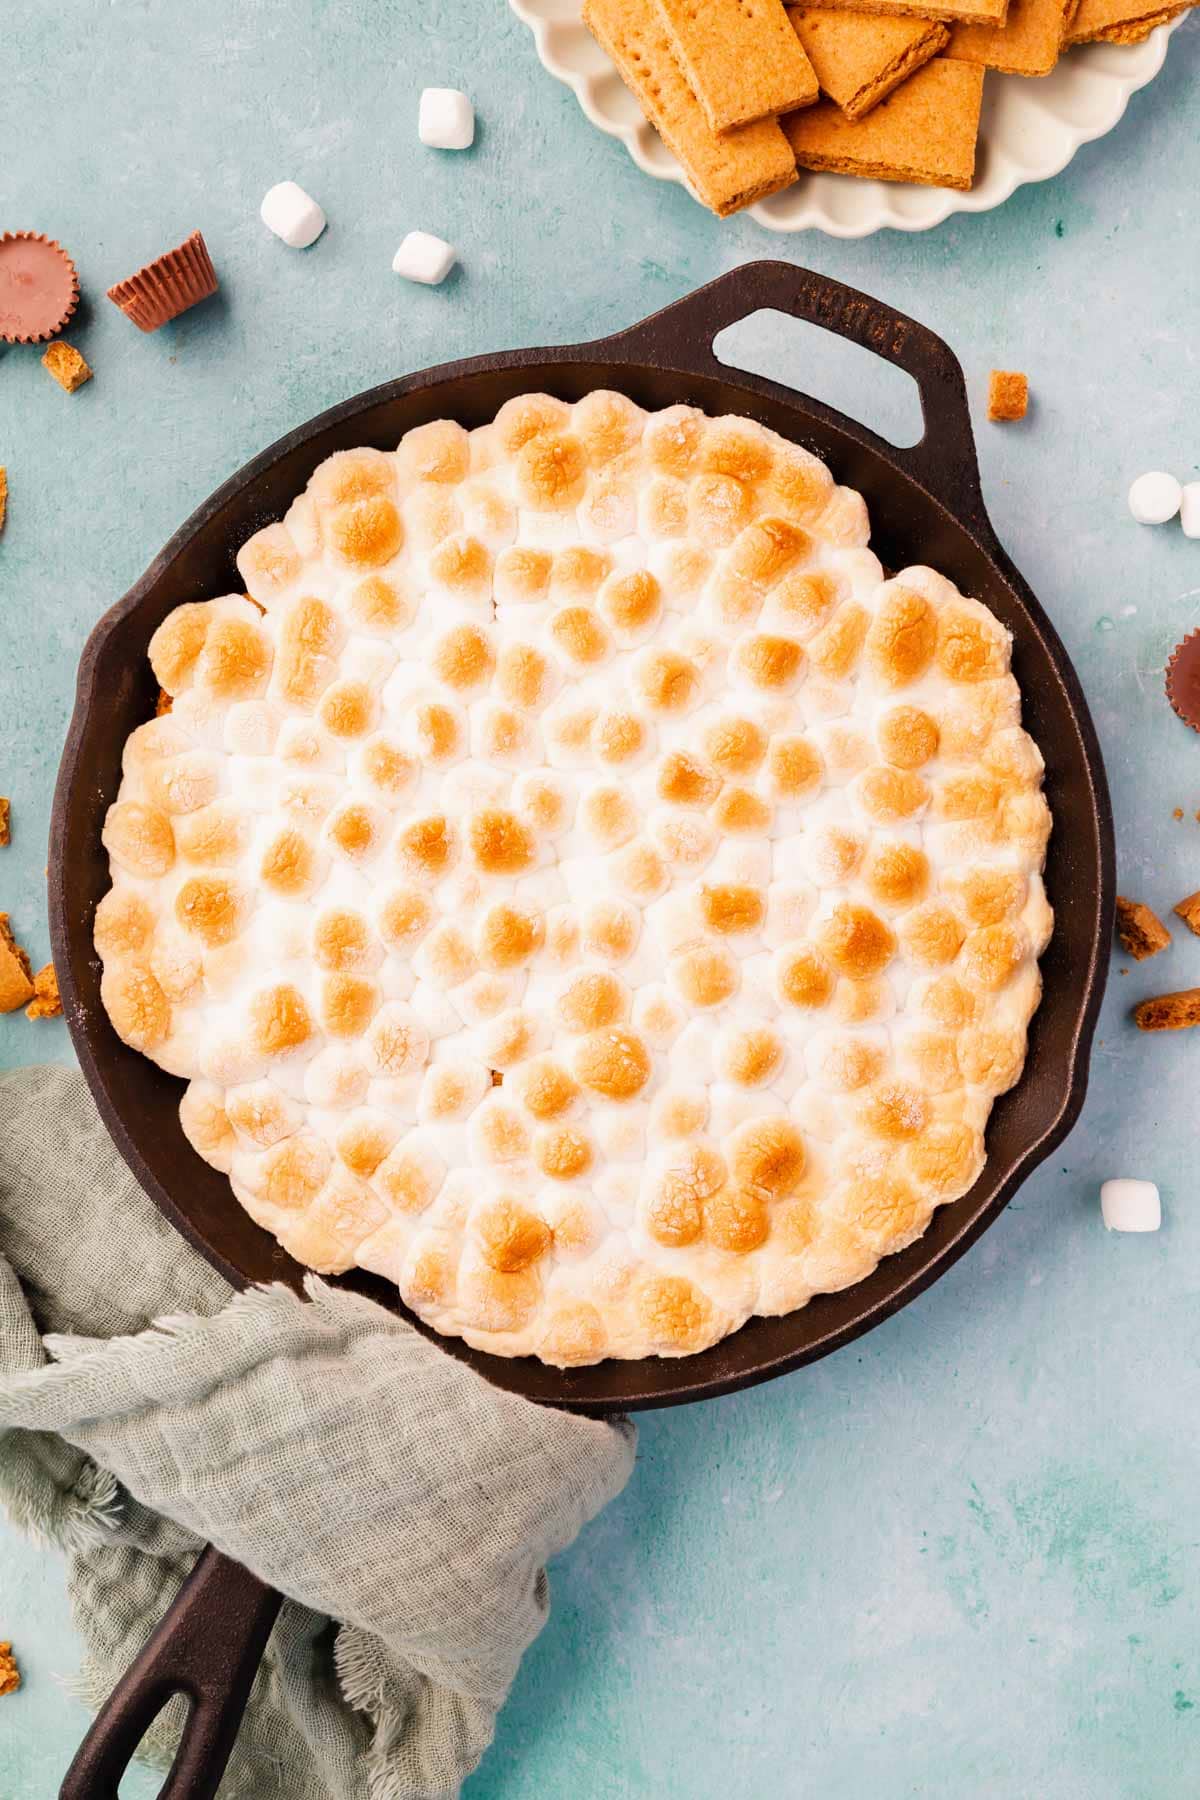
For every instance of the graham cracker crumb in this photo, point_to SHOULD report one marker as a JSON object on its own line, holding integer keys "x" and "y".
{"x": 3, "y": 494}
{"x": 16, "y": 976}
{"x": 1189, "y": 911}
{"x": 10, "y": 1675}
{"x": 5, "y": 821}
{"x": 1169, "y": 1012}
{"x": 66, "y": 365}
{"x": 1140, "y": 929}
{"x": 46, "y": 1002}
{"x": 1008, "y": 395}
{"x": 1178, "y": 813}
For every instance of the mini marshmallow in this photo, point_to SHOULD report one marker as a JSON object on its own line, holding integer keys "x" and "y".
{"x": 422, "y": 257}
{"x": 1189, "y": 509}
{"x": 1155, "y": 497}
{"x": 446, "y": 120}
{"x": 1129, "y": 1205}
{"x": 292, "y": 215}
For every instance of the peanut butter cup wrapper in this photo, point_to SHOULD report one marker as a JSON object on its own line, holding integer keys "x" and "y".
{"x": 1183, "y": 680}
{"x": 167, "y": 286}
{"x": 39, "y": 287}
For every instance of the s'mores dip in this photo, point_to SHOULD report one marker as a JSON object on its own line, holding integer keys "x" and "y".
{"x": 574, "y": 882}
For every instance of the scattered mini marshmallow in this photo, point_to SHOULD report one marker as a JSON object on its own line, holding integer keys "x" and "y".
{"x": 446, "y": 119}
{"x": 423, "y": 257}
{"x": 1129, "y": 1205}
{"x": 1155, "y": 497}
{"x": 1189, "y": 509}
{"x": 292, "y": 215}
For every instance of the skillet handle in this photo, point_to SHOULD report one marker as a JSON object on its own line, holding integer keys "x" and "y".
{"x": 207, "y": 1647}
{"x": 944, "y": 461}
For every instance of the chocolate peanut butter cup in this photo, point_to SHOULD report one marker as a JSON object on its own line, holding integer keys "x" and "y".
{"x": 167, "y": 286}
{"x": 39, "y": 287}
{"x": 1183, "y": 680}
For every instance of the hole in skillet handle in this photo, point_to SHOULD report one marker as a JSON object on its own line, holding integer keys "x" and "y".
{"x": 830, "y": 368}
{"x": 942, "y": 461}
{"x": 207, "y": 1648}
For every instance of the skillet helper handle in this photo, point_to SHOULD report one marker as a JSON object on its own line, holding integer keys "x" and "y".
{"x": 207, "y": 1647}
{"x": 944, "y": 461}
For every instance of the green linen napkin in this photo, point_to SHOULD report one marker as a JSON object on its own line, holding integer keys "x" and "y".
{"x": 145, "y": 1408}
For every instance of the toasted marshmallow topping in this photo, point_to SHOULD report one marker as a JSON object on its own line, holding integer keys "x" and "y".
{"x": 576, "y": 885}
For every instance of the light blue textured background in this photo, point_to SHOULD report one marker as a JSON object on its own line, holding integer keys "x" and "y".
{"x": 959, "y": 1558}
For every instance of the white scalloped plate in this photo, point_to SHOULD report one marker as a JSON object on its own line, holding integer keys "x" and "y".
{"x": 1029, "y": 131}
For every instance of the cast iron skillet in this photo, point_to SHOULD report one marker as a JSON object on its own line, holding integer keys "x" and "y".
{"x": 926, "y": 506}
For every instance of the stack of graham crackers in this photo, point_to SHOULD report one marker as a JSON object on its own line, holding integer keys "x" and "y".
{"x": 745, "y": 92}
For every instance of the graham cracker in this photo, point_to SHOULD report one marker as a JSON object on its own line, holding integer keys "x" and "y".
{"x": 1118, "y": 21}
{"x": 1169, "y": 1012}
{"x": 726, "y": 172}
{"x": 67, "y": 366}
{"x": 741, "y": 59}
{"x": 983, "y": 12}
{"x": 1141, "y": 931}
{"x": 47, "y": 1001}
{"x": 860, "y": 57}
{"x": 1189, "y": 911}
{"x": 1008, "y": 395}
{"x": 16, "y": 975}
{"x": 1028, "y": 43}
{"x": 1136, "y": 33}
{"x": 924, "y": 132}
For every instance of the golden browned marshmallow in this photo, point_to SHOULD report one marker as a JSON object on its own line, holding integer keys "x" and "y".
{"x": 139, "y": 838}
{"x": 619, "y": 737}
{"x": 902, "y": 638}
{"x": 907, "y": 737}
{"x": 440, "y": 451}
{"x": 136, "y": 1004}
{"x": 176, "y": 645}
{"x": 279, "y": 1020}
{"x": 500, "y": 842}
{"x": 735, "y": 746}
{"x": 378, "y": 604}
{"x": 524, "y": 676}
{"x": 124, "y": 924}
{"x": 235, "y": 662}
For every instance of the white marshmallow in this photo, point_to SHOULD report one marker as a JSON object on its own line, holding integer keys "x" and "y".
{"x": 446, "y": 120}
{"x": 1129, "y": 1205}
{"x": 1189, "y": 509}
{"x": 292, "y": 215}
{"x": 1154, "y": 497}
{"x": 422, "y": 257}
